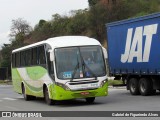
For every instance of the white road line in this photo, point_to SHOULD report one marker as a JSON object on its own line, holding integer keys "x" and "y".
{"x": 115, "y": 89}
{"x": 11, "y": 108}
{"x": 5, "y": 86}
{"x": 9, "y": 99}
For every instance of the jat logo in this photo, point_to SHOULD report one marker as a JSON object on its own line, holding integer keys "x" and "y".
{"x": 135, "y": 41}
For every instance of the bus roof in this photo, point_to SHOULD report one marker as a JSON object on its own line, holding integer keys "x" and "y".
{"x": 63, "y": 41}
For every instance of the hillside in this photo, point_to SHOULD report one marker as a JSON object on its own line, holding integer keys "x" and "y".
{"x": 88, "y": 22}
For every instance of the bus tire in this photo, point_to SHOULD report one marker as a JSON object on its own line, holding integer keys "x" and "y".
{"x": 90, "y": 100}
{"x": 46, "y": 97}
{"x": 133, "y": 86}
{"x": 146, "y": 87}
{"x": 26, "y": 97}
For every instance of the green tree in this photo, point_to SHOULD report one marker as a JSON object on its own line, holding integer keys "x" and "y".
{"x": 78, "y": 24}
{"x": 92, "y": 2}
{"x": 19, "y": 30}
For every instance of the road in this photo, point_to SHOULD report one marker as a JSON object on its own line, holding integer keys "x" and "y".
{"x": 119, "y": 99}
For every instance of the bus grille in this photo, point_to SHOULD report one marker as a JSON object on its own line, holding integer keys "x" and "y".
{"x": 82, "y": 82}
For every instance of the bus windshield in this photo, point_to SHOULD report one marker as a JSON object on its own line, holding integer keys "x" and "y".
{"x": 79, "y": 62}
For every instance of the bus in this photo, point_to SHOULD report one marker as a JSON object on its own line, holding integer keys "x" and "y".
{"x": 61, "y": 68}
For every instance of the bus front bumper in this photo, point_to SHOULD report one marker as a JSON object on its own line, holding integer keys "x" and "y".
{"x": 58, "y": 93}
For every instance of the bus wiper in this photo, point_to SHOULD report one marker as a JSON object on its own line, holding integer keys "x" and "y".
{"x": 85, "y": 65}
{"x": 74, "y": 71}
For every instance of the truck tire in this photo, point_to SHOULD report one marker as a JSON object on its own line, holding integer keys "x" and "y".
{"x": 46, "y": 97}
{"x": 146, "y": 86}
{"x": 133, "y": 86}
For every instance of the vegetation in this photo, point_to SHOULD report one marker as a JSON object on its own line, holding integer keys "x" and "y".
{"x": 5, "y": 82}
{"x": 88, "y": 22}
{"x": 114, "y": 82}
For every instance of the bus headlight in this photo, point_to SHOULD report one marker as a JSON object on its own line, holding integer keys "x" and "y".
{"x": 65, "y": 87}
{"x": 103, "y": 82}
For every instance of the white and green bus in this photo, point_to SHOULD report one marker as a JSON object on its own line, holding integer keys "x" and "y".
{"x": 61, "y": 68}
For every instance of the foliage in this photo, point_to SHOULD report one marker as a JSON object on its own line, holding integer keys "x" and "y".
{"x": 78, "y": 23}
{"x": 92, "y": 2}
{"x": 5, "y": 82}
{"x": 88, "y": 22}
{"x": 114, "y": 82}
{"x": 20, "y": 26}
{"x": 91, "y": 22}
{"x": 19, "y": 29}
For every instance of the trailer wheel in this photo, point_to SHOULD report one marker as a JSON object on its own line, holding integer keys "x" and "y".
{"x": 46, "y": 97}
{"x": 133, "y": 86}
{"x": 146, "y": 87}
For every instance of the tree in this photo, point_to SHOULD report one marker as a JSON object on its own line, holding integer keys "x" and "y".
{"x": 97, "y": 17}
{"x": 92, "y": 2}
{"x": 19, "y": 30}
{"x": 78, "y": 24}
{"x": 42, "y": 31}
{"x": 20, "y": 26}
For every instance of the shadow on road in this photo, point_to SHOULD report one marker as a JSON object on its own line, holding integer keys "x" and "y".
{"x": 65, "y": 103}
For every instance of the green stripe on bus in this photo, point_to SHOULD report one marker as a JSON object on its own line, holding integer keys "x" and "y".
{"x": 36, "y": 72}
{"x": 36, "y": 89}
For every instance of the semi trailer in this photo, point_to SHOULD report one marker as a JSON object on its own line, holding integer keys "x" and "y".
{"x": 133, "y": 47}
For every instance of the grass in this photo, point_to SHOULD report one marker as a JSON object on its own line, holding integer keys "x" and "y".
{"x": 114, "y": 82}
{"x": 5, "y": 82}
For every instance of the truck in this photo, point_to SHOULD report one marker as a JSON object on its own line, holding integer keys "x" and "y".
{"x": 133, "y": 47}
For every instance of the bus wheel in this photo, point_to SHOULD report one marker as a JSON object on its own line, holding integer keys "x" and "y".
{"x": 46, "y": 97}
{"x": 90, "y": 99}
{"x": 133, "y": 86}
{"x": 26, "y": 97}
{"x": 145, "y": 86}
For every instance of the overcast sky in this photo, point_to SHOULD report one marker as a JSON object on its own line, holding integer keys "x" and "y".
{"x": 33, "y": 11}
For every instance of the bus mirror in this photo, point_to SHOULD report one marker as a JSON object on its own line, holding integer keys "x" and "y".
{"x": 51, "y": 56}
{"x": 105, "y": 53}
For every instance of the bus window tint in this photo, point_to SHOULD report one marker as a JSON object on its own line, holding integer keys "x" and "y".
{"x": 41, "y": 55}
{"x": 50, "y": 66}
{"x": 28, "y": 57}
{"x": 34, "y": 56}
{"x": 93, "y": 58}
{"x": 67, "y": 62}
{"x": 13, "y": 60}
{"x": 18, "y": 59}
{"x": 22, "y": 58}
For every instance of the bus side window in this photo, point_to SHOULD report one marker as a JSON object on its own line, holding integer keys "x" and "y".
{"x": 22, "y": 58}
{"x": 34, "y": 56}
{"x": 41, "y": 55}
{"x": 28, "y": 57}
{"x": 50, "y": 66}
{"x": 17, "y": 59}
{"x": 13, "y": 60}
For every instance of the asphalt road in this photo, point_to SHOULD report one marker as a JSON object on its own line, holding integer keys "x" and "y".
{"x": 119, "y": 99}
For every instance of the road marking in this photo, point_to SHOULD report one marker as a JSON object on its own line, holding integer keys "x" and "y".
{"x": 5, "y": 86}
{"x": 11, "y": 108}
{"x": 9, "y": 99}
{"x": 115, "y": 89}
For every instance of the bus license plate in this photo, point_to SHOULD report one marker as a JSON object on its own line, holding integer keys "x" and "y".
{"x": 84, "y": 93}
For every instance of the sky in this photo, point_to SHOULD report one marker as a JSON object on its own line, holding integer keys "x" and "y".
{"x": 32, "y": 11}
